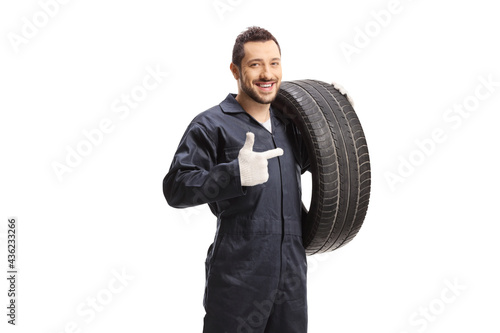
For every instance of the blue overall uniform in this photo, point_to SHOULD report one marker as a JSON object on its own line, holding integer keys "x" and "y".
{"x": 256, "y": 266}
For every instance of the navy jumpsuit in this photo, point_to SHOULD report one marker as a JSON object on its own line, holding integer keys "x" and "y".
{"x": 256, "y": 267}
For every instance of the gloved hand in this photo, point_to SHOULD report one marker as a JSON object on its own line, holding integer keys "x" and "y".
{"x": 342, "y": 90}
{"x": 253, "y": 165}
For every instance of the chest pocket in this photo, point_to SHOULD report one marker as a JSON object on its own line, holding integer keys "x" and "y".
{"x": 230, "y": 154}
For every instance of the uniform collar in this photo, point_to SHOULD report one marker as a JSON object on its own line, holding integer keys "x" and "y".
{"x": 231, "y": 105}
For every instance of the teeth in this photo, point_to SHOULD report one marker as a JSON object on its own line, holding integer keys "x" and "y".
{"x": 266, "y": 85}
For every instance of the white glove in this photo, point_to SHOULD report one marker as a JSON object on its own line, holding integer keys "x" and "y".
{"x": 342, "y": 90}
{"x": 253, "y": 165}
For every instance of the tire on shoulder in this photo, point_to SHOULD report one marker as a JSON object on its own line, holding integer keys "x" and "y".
{"x": 340, "y": 164}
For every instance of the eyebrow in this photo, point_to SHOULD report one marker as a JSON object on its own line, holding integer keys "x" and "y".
{"x": 260, "y": 59}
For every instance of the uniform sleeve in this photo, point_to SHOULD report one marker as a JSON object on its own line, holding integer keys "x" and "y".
{"x": 195, "y": 177}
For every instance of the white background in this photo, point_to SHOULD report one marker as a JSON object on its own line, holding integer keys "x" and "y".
{"x": 436, "y": 227}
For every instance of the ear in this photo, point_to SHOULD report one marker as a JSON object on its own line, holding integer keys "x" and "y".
{"x": 236, "y": 72}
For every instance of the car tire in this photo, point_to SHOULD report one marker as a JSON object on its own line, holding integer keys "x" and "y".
{"x": 339, "y": 162}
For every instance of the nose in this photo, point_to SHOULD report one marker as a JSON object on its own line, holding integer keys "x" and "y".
{"x": 266, "y": 73}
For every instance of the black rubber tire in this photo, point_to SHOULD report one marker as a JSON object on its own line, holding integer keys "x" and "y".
{"x": 340, "y": 164}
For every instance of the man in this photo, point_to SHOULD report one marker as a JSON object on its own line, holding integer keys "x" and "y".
{"x": 245, "y": 161}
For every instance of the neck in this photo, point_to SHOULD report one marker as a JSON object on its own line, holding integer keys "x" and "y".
{"x": 257, "y": 110}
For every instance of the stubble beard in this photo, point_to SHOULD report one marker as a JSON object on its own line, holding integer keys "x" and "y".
{"x": 254, "y": 94}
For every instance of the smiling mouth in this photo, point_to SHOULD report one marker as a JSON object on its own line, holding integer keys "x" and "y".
{"x": 267, "y": 86}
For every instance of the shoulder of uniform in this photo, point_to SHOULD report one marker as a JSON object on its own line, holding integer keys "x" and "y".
{"x": 208, "y": 118}
{"x": 208, "y": 122}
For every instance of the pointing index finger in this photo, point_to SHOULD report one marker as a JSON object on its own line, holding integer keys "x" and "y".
{"x": 272, "y": 153}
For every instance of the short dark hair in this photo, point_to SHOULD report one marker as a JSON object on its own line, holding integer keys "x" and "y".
{"x": 252, "y": 34}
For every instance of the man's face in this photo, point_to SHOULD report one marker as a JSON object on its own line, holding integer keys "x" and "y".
{"x": 260, "y": 74}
